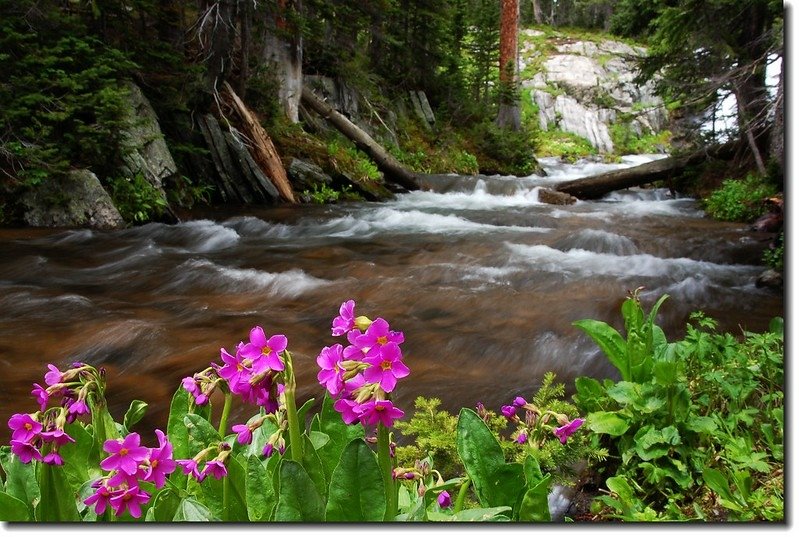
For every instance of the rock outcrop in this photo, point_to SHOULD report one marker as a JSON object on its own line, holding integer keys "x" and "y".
{"x": 586, "y": 87}
{"x": 75, "y": 200}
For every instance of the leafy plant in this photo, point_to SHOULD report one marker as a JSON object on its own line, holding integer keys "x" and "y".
{"x": 136, "y": 198}
{"x": 739, "y": 200}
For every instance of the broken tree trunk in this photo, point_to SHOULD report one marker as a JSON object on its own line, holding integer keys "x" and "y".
{"x": 393, "y": 170}
{"x": 596, "y": 186}
{"x": 263, "y": 150}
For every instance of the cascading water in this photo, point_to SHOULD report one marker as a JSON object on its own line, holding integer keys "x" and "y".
{"x": 483, "y": 279}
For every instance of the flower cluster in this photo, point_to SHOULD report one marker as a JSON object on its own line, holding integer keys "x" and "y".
{"x": 536, "y": 422}
{"x": 65, "y": 396}
{"x": 361, "y": 375}
{"x": 212, "y": 460}
{"x": 129, "y": 464}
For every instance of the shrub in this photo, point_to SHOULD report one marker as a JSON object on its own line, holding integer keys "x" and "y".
{"x": 739, "y": 200}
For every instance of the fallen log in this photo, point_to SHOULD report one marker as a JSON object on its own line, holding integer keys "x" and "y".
{"x": 393, "y": 170}
{"x": 596, "y": 186}
{"x": 263, "y": 150}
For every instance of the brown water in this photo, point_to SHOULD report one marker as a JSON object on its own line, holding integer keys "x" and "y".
{"x": 484, "y": 281}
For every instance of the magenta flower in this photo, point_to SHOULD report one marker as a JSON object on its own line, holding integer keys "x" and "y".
{"x": 374, "y": 412}
{"x": 564, "y": 432}
{"x": 189, "y": 466}
{"x": 234, "y": 370}
{"x": 53, "y": 375}
{"x": 269, "y": 450}
{"x": 161, "y": 462}
{"x": 329, "y": 375}
{"x": 191, "y": 385}
{"x": 53, "y": 458}
{"x": 131, "y": 499}
{"x": 41, "y": 395}
{"x": 355, "y": 350}
{"x": 78, "y": 408}
{"x": 23, "y": 427}
{"x": 215, "y": 469}
{"x": 345, "y": 320}
{"x": 377, "y": 335}
{"x": 244, "y": 435}
{"x": 100, "y": 498}
{"x": 519, "y": 401}
{"x": 386, "y": 367}
{"x": 444, "y": 500}
{"x": 25, "y": 451}
{"x": 125, "y": 455}
{"x": 522, "y": 438}
{"x": 346, "y": 407}
{"x": 508, "y": 411}
{"x": 265, "y": 352}
{"x": 57, "y": 436}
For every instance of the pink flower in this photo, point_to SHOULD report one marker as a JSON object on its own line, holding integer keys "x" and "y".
{"x": 160, "y": 460}
{"x": 345, "y": 320}
{"x": 377, "y": 335}
{"x": 57, "y": 436}
{"x": 234, "y": 371}
{"x": 346, "y": 407}
{"x": 41, "y": 395}
{"x": 522, "y": 438}
{"x": 23, "y": 427}
{"x": 189, "y": 466}
{"x": 215, "y": 469}
{"x": 244, "y": 435}
{"x": 519, "y": 401}
{"x": 508, "y": 411}
{"x": 374, "y": 412}
{"x": 77, "y": 408}
{"x": 329, "y": 375}
{"x": 269, "y": 450}
{"x": 125, "y": 455}
{"x": 53, "y": 458}
{"x": 444, "y": 500}
{"x": 131, "y": 499}
{"x": 25, "y": 451}
{"x": 386, "y": 367}
{"x": 100, "y": 498}
{"x": 53, "y": 376}
{"x": 564, "y": 432}
{"x": 265, "y": 352}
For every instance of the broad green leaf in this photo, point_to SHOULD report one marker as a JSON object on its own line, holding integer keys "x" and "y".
{"x": 190, "y": 510}
{"x": 665, "y": 372}
{"x": 13, "y": 509}
{"x": 313, "y": 465}
{"x": 298, "y": 500}
{"x": 626, "y": 393}
{"x": 163, "y": 506}
{"x": 77, "y": 454}
{"x": 176, "y": 429}
{"x": 200, "y": 433}
{"x": 213, "y": 492}
{"x": 21, "y": 481}
{"x": 535, "y": 502}
{"x": 318, "y": 439}
{"x": 609, "y": 341}
{"x": 339, "y": 435}
{"x": 777, "y": 326}
{"x": 302, "y": 412}
{"x": 357, "y": 493}
{"x": 607, "y": 423}
{"x": 491, "y": 514}
{"x": 58, "y": 498}
{"x": 103, "y": 428}
{"x": 718, "y": 483}
{"x": 134, "y": 414}
{"x": 496, "y": 482}
{"x": 260, "y": 494}
{"x": 590, "y": 394}
{"x": 622, "y": 489}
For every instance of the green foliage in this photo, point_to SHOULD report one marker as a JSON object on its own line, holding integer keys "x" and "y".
{"x": 432, "y": 431}
{"x": 739, "y": 200}
{"x": 504, "y": 151}
{"x": 352, "y": 161}
{"x": 774, "y": 256}
{"x": 627, "y": 142}
{"x": 555, "y": 142}
{"x": 688, "y": 417}
{"x": 321, "y": 194}
{"x": 136, "y": 198}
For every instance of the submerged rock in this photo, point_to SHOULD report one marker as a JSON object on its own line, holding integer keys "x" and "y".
{"x": 770, "y": 279}
{"x": 75, "y": 200}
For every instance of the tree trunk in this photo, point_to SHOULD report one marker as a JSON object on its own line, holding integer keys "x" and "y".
{"x": 283, "y": 50}
{"x": 596, "y": 186}
{"x": 538, "y": 15}
{"x": 777, "y": 141}
{"x": 393, "y": 170}
{"x": 219, "y": 23}
{"x": 263, "y": 150}
{"x": 509, "y": 116}
{"x": 246, "y": 39}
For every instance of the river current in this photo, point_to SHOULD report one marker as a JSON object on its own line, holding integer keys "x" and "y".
{"x": 483, "y": 279}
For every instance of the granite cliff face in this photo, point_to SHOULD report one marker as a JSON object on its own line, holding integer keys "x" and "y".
{"x": 585, "y": 87}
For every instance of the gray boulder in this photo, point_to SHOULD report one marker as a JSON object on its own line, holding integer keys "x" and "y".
{"x": 75, "y": 200}
{"x": 304, "y": 175}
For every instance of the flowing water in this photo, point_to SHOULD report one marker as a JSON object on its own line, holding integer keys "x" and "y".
{"x": 484, "y": 281}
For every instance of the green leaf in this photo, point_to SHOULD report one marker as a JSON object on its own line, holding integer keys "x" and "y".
{"x": 21, "y": 481}
{"x": 496, "y": 482}
{"x": 260, "y": 493}
{"x": 491, "y": 514}
{"x": 13, "y": 509}
{"x": 213, "y": 492}
{"x": 339, "y": 435}
{"x": 777, "y": 326}
{"x": 298, "y": 500}
{"x": 535, "y": 502}
{"x": 77, "y": 454}
{"x": 313, "y": 465}
{"x": 609, "y": 341}
{"x": 607, "y": 423}
{"x": 190, "y": 510}
{"x": 590, "y": 394}
{"x": 200, "y": 433}
{"x": 719, "y": 484}
{"x": 164, "y": 506}
{"x": 357, "y": 493}
{"x": 626, "y": 393}
{"x": 134, "y": 414}
{"x": 176, "y": 429}
{"x": 58, "y": 498}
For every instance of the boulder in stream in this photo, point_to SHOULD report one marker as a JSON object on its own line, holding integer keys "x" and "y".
{"x": 75, "y": 200}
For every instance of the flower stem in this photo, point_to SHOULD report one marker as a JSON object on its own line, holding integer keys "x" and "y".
{"x": 225, "y": 414}
{"x": 289, "y": 390}
{"x": 461, "y": 495}
{"x": 225, "y": 498}
{"x": 387, "y": 468}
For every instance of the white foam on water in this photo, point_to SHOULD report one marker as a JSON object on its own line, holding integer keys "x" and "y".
{"x": 202, "y": 272}
{"x": 478, "y": 199}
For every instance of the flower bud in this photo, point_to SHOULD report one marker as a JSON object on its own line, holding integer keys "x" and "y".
{"x": 362, "y": 323}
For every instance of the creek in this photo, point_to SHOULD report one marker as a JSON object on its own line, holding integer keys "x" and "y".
{"x": 484, "y": 280}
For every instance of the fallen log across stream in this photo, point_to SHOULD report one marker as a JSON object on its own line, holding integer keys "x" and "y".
{"x": 386, "y": 163}
{"x": 596, "y": 186}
